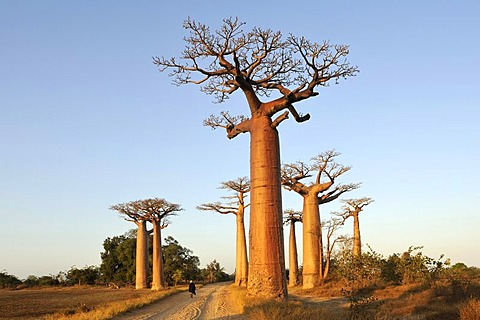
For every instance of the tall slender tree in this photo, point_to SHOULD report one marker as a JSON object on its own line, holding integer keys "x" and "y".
{"x": 158, "y": 211}
{"x": 131, "y": 213}
{"x": 331, "y": 226}
{"x": 321, "y": 190}
{"x": 291, "y": 217}
{"x": 235, "y": 205}
{"x": 258, "y": 63}
{"x": 352, "y": 208}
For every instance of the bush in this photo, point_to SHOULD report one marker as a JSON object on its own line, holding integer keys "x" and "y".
{"x": 359, "y": 271}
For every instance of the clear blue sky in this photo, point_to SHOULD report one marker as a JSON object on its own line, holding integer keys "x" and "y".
{"x": 87, "y": 121}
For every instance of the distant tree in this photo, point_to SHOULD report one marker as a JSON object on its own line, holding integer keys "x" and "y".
{"x": 157, "y": 211}
{"x": 322, "y": 190}
{"x": 258, "y": 63}
{"x": 8, "y": 280}
{"x": 87, "y": 275}
{"x": 352, "y": 208}
{"x": 291, "y": 217}
{"x": 130, "y": 212}
{"x": 215, "y": 272}
{"x": 31, "y": 281}
{"x": 50, "y": 280}
{"x": 236, "y": 205}
{"x": 179, "y": 258}
{"x": 118, "y": 259}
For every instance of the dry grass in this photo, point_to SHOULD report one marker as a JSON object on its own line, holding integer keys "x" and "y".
{"x": 73, "y": 302}
{"x": 290, "y": 310}
{"x": 237, "y": 298}
{"x": 272, "y": 310}
{"x": 470, "y": 310}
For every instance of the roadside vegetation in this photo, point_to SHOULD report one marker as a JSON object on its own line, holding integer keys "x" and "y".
{"x": 409, "y": 285}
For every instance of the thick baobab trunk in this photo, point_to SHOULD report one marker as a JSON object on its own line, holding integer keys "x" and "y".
{"x": 293, "y": 257}
{"x": 357, "y": 244}
{"x": 158, "y": 281}
{"x": 241, "y": 269}
{"x": 141, "y": 259}
{"x": 266, "y": 275}
{"x": 312, "y": 242}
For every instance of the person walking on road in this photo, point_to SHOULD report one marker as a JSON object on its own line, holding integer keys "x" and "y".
{"x": 191, "y": 289}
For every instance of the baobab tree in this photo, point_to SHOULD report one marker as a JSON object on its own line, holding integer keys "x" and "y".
{"x": 259, "y": 62}
{"x": 157, "y": 211}
{"x": 235, "y": 205}
{"x": 132, "y": 213}
{"x": 291, "y": 217}
{"x": 322, "y": 190}
{"x": 352, "y": 208}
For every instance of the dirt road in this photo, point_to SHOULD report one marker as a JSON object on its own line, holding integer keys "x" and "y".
{"x": 211, "y": 302}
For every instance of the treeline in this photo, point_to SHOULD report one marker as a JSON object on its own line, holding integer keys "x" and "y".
{"x": 88, "y": 275}
{"x": 118, "y": 267}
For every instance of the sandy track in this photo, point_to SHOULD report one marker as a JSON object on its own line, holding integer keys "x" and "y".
{"x": 211, "y": 302}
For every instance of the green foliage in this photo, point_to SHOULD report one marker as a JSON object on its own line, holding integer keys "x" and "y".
{"x": 371, "y": 268}
{"x": 358, "y": 271}
{"x": 8, "y": 280}
{"x": 118, "y": 259}
{"x": 88, "y": 275}
{"x": 176, "y": 258}
{"x": 412, "y": 267}
{"x": 177, "y": 276}
{"x": 214, "y": 272}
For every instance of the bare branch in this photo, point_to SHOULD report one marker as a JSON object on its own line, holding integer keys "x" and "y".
{"x": 291, "y": 175}
{"x": 237, "y": 204}
{"x": 291, "y": 216}
{"x": 217, "y": 207}
{"x": 353, "y": 207}
{"x": 157, "y": 209}
{"x": 259, "y": 62}
{"x": 234, "y": 125}
{"x": 337, "y": 192}
{"x": 130, "y": 212}
{"x": 279, "y": 119}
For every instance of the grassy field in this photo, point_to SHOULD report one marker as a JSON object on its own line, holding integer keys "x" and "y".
{"x": 444, "y": 301}
{"x": 55, "y": 303}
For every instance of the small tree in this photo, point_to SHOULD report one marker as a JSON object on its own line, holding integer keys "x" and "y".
{"x": 157, "y": 211}
{"x": 331, "y": 226}
{"x": 236, "y": 205}
{"x": 258, "y": 63}
{"x": 131, "y": 213}
{"x": 352, "y": 208}
{"x": 291, "y": 217}
{"x": 177, "y": 276}
{"x": 322, "y": 190}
